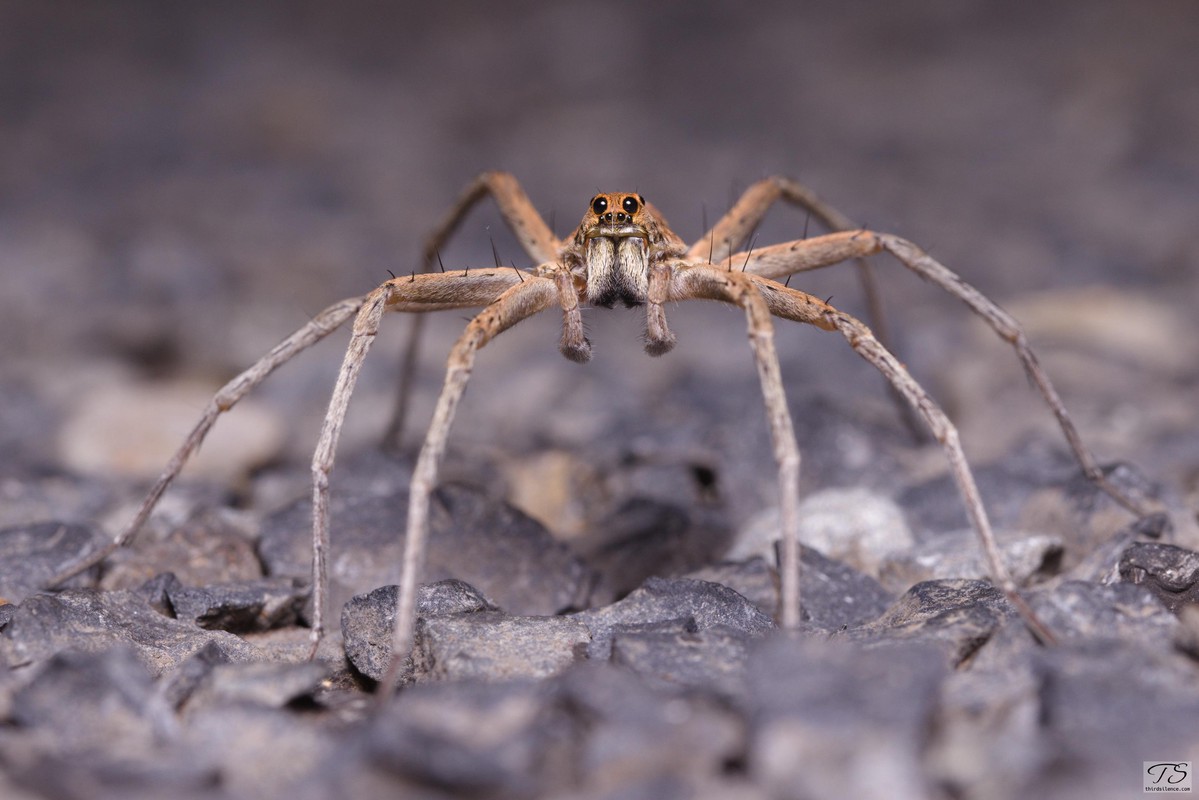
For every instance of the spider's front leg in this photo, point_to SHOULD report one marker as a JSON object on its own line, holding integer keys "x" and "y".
{"x": 659, "y": 339}
{"x": 519, "y": 302}
{"x": 692, "y": 281}
{"x": 425, "y": 292}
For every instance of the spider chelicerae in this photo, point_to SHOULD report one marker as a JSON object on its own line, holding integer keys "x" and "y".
{"x": 624, "y": 252}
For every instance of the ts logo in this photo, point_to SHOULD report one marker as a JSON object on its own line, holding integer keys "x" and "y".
{"x": 1167, "y": 776}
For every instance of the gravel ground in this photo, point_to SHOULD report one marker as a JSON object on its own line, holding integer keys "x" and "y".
{"x": 181, "y": 188}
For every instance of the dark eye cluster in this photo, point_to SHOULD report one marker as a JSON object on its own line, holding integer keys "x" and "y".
{"x": 631, "y": 203}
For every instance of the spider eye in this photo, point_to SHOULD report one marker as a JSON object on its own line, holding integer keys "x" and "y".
{"x": 599, "y": 205}
{"x": 630, "y": 204}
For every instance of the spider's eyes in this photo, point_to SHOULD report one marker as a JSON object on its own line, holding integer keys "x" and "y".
{"x": 630, "y": 204}
{"x": 599, "y": 205}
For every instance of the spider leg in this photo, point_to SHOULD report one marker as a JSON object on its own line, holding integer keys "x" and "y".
{"x": 1005, "y": 325}
{"x": 747, "y": 213}
{"x": 788, "y": 258}
{"x": 731, "y": 231}
{"x": 574, "y": 343}
{"x": 706, "y": 282}
{"x": 659, "y": 339}
{"x": 519, "y": 302}
{"x": 226, "y": 397}
{"x": 425, "y": 292}
{"x": 868, "y": 347}
{"x": 701, "y": 281}
{"x": 777, "y": 261}
{"x": 531, "y": 231}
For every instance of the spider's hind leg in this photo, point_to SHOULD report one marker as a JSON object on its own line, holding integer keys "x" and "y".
{"x": 868, "y": 347}
{"x": 755, "y": 293}
{"x": 226, "y": 397}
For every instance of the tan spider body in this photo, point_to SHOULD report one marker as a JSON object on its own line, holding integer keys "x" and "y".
{"x": 623, "y": 251}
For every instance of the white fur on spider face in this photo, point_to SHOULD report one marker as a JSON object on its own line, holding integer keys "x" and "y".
{"x": 617, "y": 270}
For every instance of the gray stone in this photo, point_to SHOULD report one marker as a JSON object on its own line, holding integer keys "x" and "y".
{"x": 147, "y": 775}
{"x": 956, "y": 616}
{"x": 95, "y": 701}
{"x": 754, "y": 579}
{"x": 1102, "y": 563}
{"x": 368, "y": 620}
{"x": 659, "y": 599}
{"x": 95, "y": 725}
{"x": 859, "y": 527}
{"x": 459, "y": 635}
{"x": 646, "y": 537}
{"x": 712, "y": 659}
{"x": 267, "y": 684}
{"x": 1105, "y": 707}
{"x": 492, "y": 646}
{"x": 91, "y": 621}
{"x": 237, "y": 607}
{"x": 834, "y": 595}
{"x": 34, "y": 495}
{"x": 469, "y": 739}
{"x": 156, "y": 592}
{"x": 205, "y": 549}
{"x": 450, "y": 596}
{"x": 935, "y": 506}
{"x": 1186, "y": 638}
{"x": 1077, "y": 610}
{"x": 6, "y": 613}
{"x": 510, "y": 557}
{"x": 830, "y": 719}
{"x": 1029, "y": 558}
{"x": 261, "y": 751}
{"x": 178, "y": 685}
{"x": 632, "y": 733}
{"x": 1171, "y": 574}
{"x": 31, "y": 554}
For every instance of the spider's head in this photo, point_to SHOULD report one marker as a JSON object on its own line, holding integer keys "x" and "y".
{"x": 614, "y": 239}
{"x": 617, "y": 216}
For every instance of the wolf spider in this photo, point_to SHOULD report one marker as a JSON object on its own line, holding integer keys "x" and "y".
{"x": 623, "y": 251}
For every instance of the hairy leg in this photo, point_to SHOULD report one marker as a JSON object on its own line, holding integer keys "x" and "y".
{"x": 748, "y": 212}
{"x": 868, "y": 347}
{"x": 731, "y": 231}
{"x": 710, "y": 283}
{"x": 524, "y": 300}
{"x": 318, "y": 328}
{"x": 425, "y": 292}
{"x": 530, "y": 229}
{"x": 788, "y": 258}
{"x": 706, "y": 282}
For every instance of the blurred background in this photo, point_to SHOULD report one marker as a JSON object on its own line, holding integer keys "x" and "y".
{"x": 182, "y": 185}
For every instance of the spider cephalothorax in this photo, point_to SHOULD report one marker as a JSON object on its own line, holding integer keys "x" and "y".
{"x": 624, "y": 252}
{"x": 614, "y": 245}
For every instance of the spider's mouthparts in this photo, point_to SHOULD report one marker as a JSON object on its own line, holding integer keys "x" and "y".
{"x": 617, "y": 270}
{"x": 617, "y": 232}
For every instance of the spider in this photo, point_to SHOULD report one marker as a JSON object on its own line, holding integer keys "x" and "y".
{"x": 624, "y": 252}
